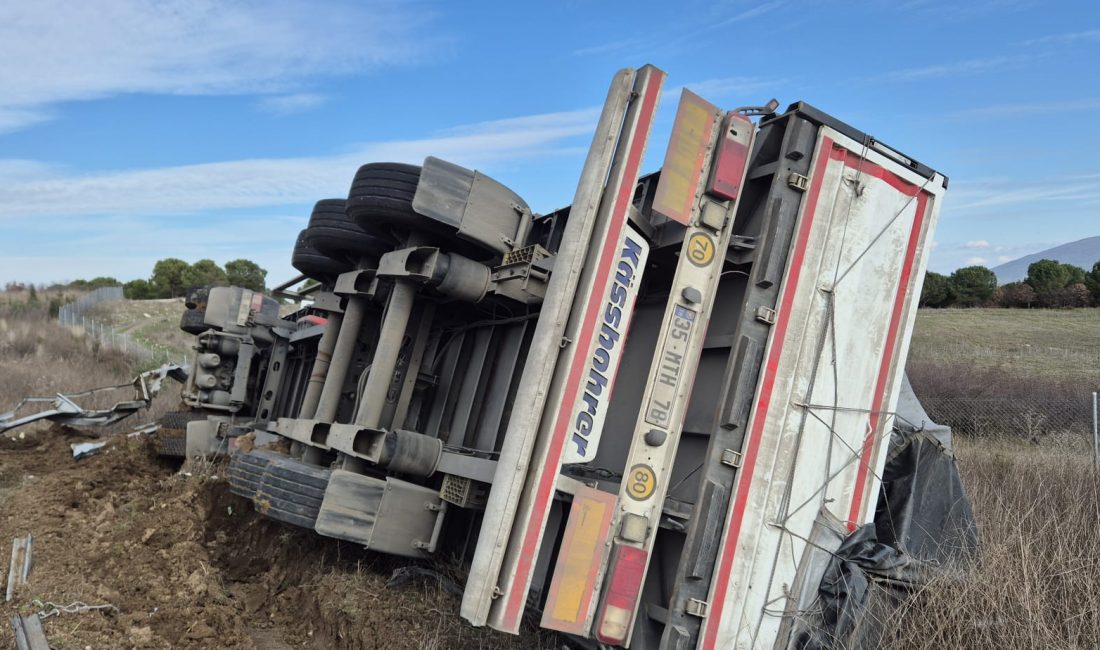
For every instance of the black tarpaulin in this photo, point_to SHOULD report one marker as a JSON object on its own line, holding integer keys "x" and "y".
{"x": 923, "y": 526}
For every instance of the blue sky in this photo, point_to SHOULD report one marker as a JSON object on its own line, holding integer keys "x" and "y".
{"x": 135, "y": 130}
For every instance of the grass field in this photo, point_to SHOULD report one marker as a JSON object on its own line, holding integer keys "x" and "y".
{"x": 1056, "y": 344}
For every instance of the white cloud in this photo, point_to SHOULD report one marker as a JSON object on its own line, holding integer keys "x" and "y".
{"x": 57, "y": 51}
{"x": 605, "y": 48}
{"x": 1037, "y": 193}
{"x": 1005, "y": 258}
{"x": 976, "y": 261}
{"x": 976, "y": 244}
{"x": 29, "y": 189}
{"x": 32, "y": 189}
{"x": 1037, "y": 109}
{"x": 1069, "y": 38}
{"x": 955, "y": 68}
{"x": 281, "y": 105}
{"x": 14, "y": 119}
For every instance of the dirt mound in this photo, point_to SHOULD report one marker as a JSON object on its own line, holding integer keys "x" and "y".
{"x": 188, "y": 565}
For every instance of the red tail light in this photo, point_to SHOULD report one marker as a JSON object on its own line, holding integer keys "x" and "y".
{"x": 628, "y": 566}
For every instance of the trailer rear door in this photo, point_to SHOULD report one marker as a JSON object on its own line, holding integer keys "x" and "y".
{"x": 823, "y": 408}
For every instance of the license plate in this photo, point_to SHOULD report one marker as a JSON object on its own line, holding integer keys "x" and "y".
{"x": 667, "y": 382}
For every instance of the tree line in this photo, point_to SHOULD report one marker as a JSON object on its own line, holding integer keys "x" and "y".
{"x": 172, "y": 276}
{"x": 1049, "y": 283}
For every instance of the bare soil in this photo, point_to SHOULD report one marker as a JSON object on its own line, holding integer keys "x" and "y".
{"x": 188, "y": 565}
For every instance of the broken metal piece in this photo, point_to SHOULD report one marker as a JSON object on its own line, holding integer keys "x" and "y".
{"x": 143, "y": 430}
{"x": 68, "y": 412}
{"x": 28, "y": 632}
{"x": 20, "y": 566}
{"x": 83, "y": 449}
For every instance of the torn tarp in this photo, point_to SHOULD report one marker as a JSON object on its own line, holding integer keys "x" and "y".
{"x": 923, "y": 527}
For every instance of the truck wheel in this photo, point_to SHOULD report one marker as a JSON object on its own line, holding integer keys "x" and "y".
{"x": 192, "y": 321}
{"x": 279, "y": 487}
{"x": 172, "y": 435}
{"x": 382, "y": 195}
{"x": 336, "y": 235}
{"x": 309, "y": 261}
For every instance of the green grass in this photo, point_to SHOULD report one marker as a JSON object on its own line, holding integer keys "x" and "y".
{"x": 1035, "y": 343}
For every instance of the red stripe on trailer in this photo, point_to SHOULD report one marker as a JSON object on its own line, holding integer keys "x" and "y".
{"x": 545, "y": 489}
{"x": 886, "y": 366}
{"x": 733, "y": 528}
{"x": 852, "y": 159}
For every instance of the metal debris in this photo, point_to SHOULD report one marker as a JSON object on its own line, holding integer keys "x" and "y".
{"x": 28, "y": 632}
{"x": 143, "y": 430}
{"x": 53, "y": 609}
{"x": 20, "y": 566}
{"x": 83, "y": 449}
{"x": 66, "y": 411}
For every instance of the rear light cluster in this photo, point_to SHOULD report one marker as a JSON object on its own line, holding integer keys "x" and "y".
{"x": 628, "y": 566}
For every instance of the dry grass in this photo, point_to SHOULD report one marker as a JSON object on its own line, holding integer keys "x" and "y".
{"x": 39, "y": 357}
{"x": 1037, "y": 582}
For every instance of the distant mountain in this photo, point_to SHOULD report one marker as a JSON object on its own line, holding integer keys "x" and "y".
{"x": 1083, "y": 252}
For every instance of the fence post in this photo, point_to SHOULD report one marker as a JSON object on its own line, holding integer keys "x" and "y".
{"x": 1095, "y": 435}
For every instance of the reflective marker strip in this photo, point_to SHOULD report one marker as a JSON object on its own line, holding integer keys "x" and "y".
{"x": 886, "y": 368}
{"x": 516, "y": 596}
{"x": 569, "y": 601}
{"x": 628, "y": 564}
{"x": 675, "y": 195}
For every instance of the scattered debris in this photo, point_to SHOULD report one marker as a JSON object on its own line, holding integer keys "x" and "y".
{"x": 143, "y": 430}
{"x": 83, "y": 449}
{"x": 28, "y": 632}
{"x": 53, "y": 609}
{"x": 20, "y": 567}
{"x": 66, "y": 411}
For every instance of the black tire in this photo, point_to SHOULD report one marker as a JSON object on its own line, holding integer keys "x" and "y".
{"x": 382, "y": 194}
{"x": 172, "y": 435}
{"x": 279, "y": 487}
{"x": 381, "y": 198}
{"x": 192, "y": 321}
{"x": 313, "y": 264}
{"x": 336, "y": 235}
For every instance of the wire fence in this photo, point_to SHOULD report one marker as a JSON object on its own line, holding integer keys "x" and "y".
{"x": 75, "y": 316}
{"x": 1032, "y": 419}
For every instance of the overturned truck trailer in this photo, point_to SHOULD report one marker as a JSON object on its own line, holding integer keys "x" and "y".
{"x": 628, "y": 416}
